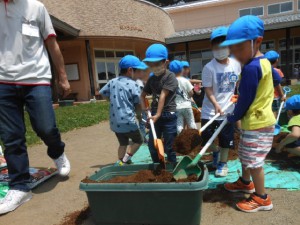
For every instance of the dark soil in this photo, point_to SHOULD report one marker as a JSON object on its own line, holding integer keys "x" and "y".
{"x": 77, "y": 217}
{"x": 187, "y": 142}
{"x": 145, "y": 176}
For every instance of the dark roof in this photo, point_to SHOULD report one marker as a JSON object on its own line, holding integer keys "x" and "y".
{"x": 271, "y": 23}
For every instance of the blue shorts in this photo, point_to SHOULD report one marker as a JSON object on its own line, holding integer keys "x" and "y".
{"x": 295, "y": 144}
{"x": 226, "y": 136}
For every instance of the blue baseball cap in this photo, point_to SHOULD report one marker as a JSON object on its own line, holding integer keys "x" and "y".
{"x": 185, "y": 64}
{"x": 156, "y": 53}
{"x": 219, "y": 32}
{"x": 293, "y": 103}
{"x": 244, "y": 29}
{"x": 272, "y": 55}
{"x": 130, "y": 61}
{"x": 142, "y": 66}
{"x": 176, "y": 66}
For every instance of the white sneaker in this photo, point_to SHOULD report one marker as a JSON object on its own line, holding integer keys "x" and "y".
{"x": 63, "y": 165}
{"x": 222, "y": 170}
{"x": 13, "y": 200}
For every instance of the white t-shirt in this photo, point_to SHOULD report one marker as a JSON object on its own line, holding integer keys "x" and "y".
{"x": 222, "y": 78}
{"x": 183, "y": 100}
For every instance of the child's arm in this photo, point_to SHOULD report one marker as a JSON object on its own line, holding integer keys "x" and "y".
{"x": 290, "y": 138}
{"x": 279, "y": 90}
{"x": 164, "y": 93}
{"x": 210, "y": 95}
{"x": 247, "y": 92}
{"x": 105, "y": 91}
{"x": 144, "y": 105}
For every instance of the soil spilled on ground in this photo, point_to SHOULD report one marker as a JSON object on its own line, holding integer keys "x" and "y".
{"x": 187, "y": 141}
{"x": 77, "y": 217}
{"x": 145, "y": 176}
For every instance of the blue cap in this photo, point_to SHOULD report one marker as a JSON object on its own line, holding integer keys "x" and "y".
{"x": 293, "y": 103}
{"x": 185, "y": 64}
{"x": 130, "y": 61}
{"x": 176, "y": 66}
{"x": 244, "y": 29}
{"x": 156, "y": 53}
{"x": 151, "y": 74}
{"x": 142, "y": 66}
{"x": 272, "y": 55}
{"x": 219, "y": 32}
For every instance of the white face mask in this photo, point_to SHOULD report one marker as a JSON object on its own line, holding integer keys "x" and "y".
{"x": 158, "y": 70}
{"x": 221, "y": 54}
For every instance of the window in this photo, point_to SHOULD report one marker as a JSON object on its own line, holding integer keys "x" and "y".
{"x": 293, "y": 59}
{"x": 298, "y": 4}
{"x": 177, "y": 56}
{"x": 280, "y": 8}
{"x": 256, "y": 11}
{"x": 198, "y": 60}
{"x": 107, "y": 64}
{"x": 267, "y": 46}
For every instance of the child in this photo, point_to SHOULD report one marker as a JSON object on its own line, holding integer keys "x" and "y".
{"x": 273, "y": 57}
{"x": 124, "y": 95}
{"x": 219, "y": 79}
{"x": 292, "y": 141}
{"x": 186, "y": 69}
{"x": 254, "y": 109}
{"x": 183, "y": 98}
{"x": 162, "y": 86}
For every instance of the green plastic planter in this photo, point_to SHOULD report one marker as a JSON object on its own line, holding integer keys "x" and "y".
{"x": 144, "y": 203}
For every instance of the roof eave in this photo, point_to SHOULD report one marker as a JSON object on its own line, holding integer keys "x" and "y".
{"x": 64, "y": 27}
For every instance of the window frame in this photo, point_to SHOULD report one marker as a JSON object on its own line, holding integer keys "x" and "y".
{"x": 298, "y": 5}
{"x": 106, "y": 60}
{"x": 280, "y": 3}
{"x": 270, "y": 40}
{"x": 201, "y": 59}
{"x": 260, "y": 6}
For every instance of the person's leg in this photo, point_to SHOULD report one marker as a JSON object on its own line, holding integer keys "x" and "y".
{"x": 180, "y": 121}
{"x": 12, "y": 132}
{"x": 206, "y": 135}
{"x": 123, "y": 143}
{"x": 137, "y": 142}
{"x": 152, "y": 149}
{"x": 169, "y": 123}
{"x": 243, "y": 184}
{"x": 189, "y": 118}
{"x": 38, "y": 100}
{"x": 259, "y": 145}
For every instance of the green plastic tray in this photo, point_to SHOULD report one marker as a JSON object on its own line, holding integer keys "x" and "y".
{"x": 144, "y": 203}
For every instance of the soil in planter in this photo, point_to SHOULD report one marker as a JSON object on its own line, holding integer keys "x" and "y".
{"x": 145, "y": 176}
{"x": 187, "y": 142}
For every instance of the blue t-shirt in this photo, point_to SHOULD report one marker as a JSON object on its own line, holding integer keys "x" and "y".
{"x": 124, "y": 93}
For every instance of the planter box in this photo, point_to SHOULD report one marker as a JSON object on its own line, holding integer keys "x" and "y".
{"x": 144, "y": 203}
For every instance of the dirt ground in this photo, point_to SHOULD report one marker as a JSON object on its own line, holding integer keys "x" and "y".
{"x": 96, "y": 146}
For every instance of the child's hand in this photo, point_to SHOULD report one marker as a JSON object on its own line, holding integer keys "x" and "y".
{"x": 154, "y": 118}
{"x": 283, "y": 98}
{"x": 218, "y": 109}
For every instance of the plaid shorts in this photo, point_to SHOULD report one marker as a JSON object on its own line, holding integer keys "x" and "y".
{"x": 254, "y": 146}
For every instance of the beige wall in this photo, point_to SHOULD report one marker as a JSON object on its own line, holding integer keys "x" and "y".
{"x": 74, "y": 51}
{"x": 211, "y": 15}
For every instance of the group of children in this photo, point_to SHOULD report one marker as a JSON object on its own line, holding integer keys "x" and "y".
{"x": 248, "y": 72}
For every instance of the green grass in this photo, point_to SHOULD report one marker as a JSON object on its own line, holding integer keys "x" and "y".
{"x": 295, "y": 89}
{"x": 70, "y": 118}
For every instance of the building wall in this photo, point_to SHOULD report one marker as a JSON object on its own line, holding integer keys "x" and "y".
{"x": 74, "y": 52}
{"x": 124, "y": 18}
{"x": 215, "y": 14}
